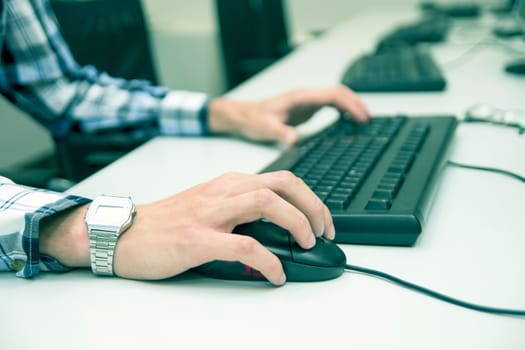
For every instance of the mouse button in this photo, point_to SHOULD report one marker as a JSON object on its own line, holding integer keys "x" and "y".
{"x": 325, "y": 253}
{"x": 267, "y": 233}
{"x": 298, "y": 272}
{"x": 277, "y": 240}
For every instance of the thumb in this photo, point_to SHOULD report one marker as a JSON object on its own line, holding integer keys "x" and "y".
{"x": 276, "y": 130}
{"x": 286, "y": 134}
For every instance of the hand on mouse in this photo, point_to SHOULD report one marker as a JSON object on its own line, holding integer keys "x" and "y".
{"x": 273, "y": 119}
{"x": 194, "y": 227}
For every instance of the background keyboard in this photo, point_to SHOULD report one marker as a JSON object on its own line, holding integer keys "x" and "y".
{"x": 406, "y": 68}
{"x": 377, "y": 179}
{"x": 430, "y": 29}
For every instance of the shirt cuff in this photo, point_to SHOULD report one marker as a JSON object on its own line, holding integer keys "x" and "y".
{"x": 21, "y": 211}
{"x": 30, "y": 237}
{"x": 184, "y": 113}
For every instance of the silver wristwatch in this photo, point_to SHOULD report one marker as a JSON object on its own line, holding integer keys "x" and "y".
{"x": 107, "y": 218}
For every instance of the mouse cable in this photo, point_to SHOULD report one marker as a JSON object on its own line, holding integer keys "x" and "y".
{"x": 493, "y": 170}
{"x": 437, "y": 295}
{"x": 434, "y": 294}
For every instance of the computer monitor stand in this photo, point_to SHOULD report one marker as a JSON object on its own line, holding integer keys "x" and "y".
{"x": 516, "y": 66}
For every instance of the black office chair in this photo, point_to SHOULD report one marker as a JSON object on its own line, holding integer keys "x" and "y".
{"x": 113, "y": 36}
{"x": 253, "y": 36}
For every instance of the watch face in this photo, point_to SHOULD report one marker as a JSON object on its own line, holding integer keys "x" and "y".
{"x": 111, "y": 214}
{"x": 107, "y": 212}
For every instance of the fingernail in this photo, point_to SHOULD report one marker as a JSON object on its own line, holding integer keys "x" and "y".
{"x": 330, "y": 233}
{"x": 311, "y": 241}
{"x": 282, "y": 280}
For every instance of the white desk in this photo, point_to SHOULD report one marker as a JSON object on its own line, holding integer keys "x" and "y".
{"x": 471, "y": 248}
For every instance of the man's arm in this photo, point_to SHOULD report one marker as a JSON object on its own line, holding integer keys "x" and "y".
{"x": 63, "y": 96}
{"x": 172, "y": 235}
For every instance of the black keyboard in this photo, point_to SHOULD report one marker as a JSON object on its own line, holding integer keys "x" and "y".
{"x": 377, "y": 179}
{"x": 429, "y": 30}
{"x": 406, "y": 68}
{"x": 453, "y": 10}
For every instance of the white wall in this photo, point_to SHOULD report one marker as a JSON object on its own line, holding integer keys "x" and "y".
{"x": 307, "y": 16}
{"x": 186, "y": 46}
{"x": 185, "y": 43}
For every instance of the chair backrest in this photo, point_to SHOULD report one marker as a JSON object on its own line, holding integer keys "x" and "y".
{"x": 253, "y": 35}
{"x": 111, "y": 35}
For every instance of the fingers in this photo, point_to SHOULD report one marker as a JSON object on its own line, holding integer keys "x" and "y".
{"x": 269, "y": 119}
{"x": 282, "y": 198}
{"x": 295, "y": 191}
{"x": 247, "y": 250}
{"x": 280, "y": 131}
{"x": 329, "y": 224}
{"x": 348, "y": 101}
{"x": 267, "y": 204}
{"x": 338, "y": 96}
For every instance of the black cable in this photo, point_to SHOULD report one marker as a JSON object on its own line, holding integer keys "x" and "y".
{"x": 493, "y": 170}
{"x": 437, "y": 295}
{"x": 460, "y": 59}
{"x": 434, "y": 294}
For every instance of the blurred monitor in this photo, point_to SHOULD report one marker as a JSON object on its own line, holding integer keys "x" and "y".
{"x": 518, "y": 66}
{"x": 503, "y": 7}
{"x": 519, "y": 13}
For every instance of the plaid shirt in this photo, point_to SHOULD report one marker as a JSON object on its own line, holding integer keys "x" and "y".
{"x": 39, "y": 74}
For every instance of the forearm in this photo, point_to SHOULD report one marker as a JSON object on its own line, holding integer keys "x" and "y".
{"x": 94, "y": 103}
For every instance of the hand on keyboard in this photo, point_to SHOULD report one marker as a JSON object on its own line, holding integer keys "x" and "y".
{"x": 275, "y": 118}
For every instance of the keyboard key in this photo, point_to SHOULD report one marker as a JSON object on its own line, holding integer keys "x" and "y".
{"x": 383, "y": 194}
{"x": 378, "y": 204}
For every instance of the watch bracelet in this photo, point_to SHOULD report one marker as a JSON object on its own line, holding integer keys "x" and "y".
{"x": 101, "y": 249}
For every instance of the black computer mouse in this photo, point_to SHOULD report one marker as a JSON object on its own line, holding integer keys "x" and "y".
{"x": 324, "y": 261}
